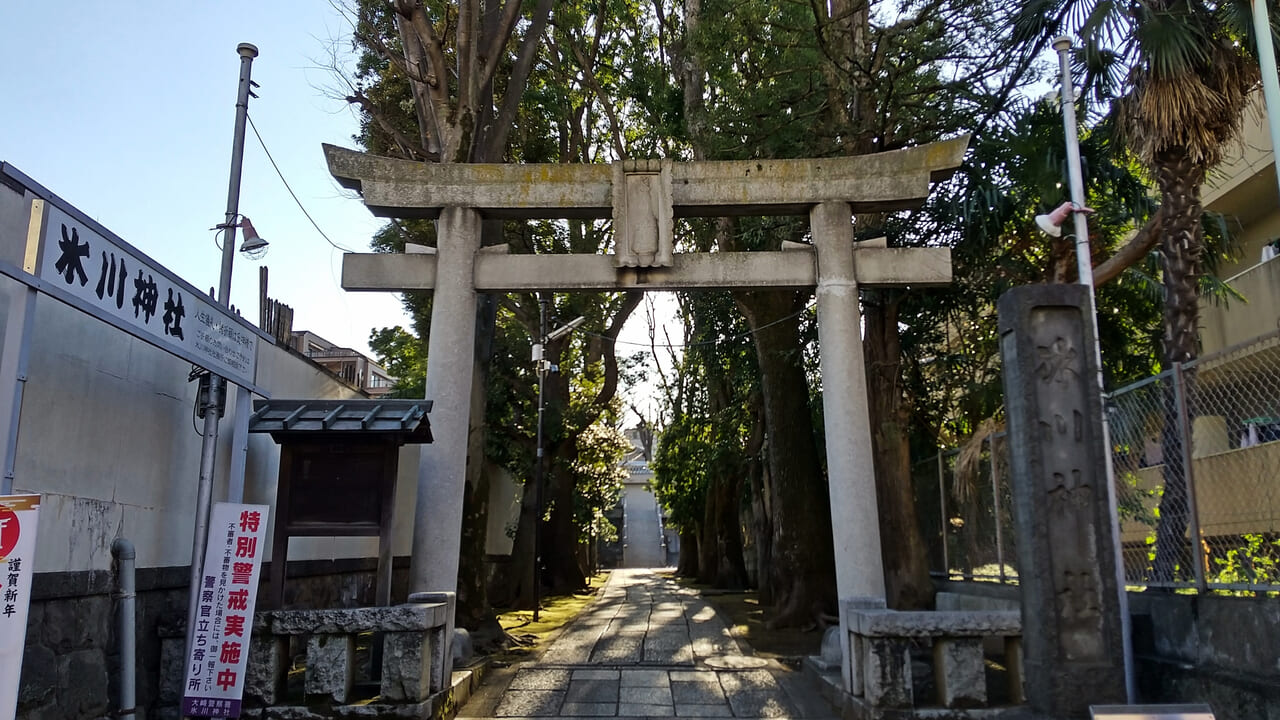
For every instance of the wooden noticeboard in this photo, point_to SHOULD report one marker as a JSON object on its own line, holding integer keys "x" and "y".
{"x": 338, "y": 466}
{"x": 328, "y": 489}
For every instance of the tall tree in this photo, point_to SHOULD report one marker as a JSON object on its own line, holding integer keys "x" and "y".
{"x": 466, "y": 87}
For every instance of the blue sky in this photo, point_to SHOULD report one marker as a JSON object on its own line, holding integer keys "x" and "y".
{"x": 127, "y": 110}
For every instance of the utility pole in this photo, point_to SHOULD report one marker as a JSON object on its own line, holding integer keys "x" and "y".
{"x": 538, "y": 467}
{"x": 217, "y": 385}
{"x": 1084, "y": 267}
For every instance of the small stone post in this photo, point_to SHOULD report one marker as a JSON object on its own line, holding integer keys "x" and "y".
{"x": 1072, "y": 636}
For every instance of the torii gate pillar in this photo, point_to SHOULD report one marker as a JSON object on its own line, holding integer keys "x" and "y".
{"x": 851, "y": 479}
{"x": 450, "y": 366}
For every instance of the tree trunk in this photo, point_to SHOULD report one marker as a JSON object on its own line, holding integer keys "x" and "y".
{"x": 562, "y": 571}
{"x": 1182, "y": 249}
{"x": 513, "y": 588}
{"x": 731, "y": 569}
{"x": 906, "y": 562}
{"x": 474, "y": 610}
{"x": 687, "y": 565}
{"x": 708, "y": 563}
{"x": 761, "y": 528}
{"x": 802, "y": 571}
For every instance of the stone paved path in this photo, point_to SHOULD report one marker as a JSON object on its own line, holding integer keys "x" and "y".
{"x": 647, "y": 648}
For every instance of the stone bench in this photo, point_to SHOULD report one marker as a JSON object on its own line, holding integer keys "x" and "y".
{"x": 880, "y": 644}
{"x": 415, "y": 652}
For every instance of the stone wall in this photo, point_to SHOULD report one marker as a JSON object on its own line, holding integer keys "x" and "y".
{"x": 70, "y": 668}
{"x": 1224, "y": 651}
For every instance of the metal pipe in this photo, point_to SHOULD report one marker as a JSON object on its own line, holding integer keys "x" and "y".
{"x": 995, "y": 502}
{"x": 209, "y": 443}
{"x": 15, "y": 356}
{"x": 126, "y": 628}
{"x": 538, "y": 467}
{"x": 1270, "y": 83}
{"x": 942, "y": 504}
{"x": 1084, "y": 268}
{"x": 1188, "y": 473}
{"x": 239, "y": 446}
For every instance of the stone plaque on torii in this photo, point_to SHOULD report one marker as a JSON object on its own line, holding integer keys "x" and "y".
{"x": 644, "y": 197}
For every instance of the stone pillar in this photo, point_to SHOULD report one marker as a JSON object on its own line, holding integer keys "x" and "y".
{"x": 959, "y": 672}
{"x": 437, "y": 528}
{"x": 330, "y": 670}
{"x": 1073, "y": 653}
{"x": 851, "y": 477}
{"x": 268, "y": 664}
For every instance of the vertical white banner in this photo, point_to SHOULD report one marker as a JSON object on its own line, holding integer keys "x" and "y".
{"x": 18, "y": 516}
{"x": 224, "y": 618}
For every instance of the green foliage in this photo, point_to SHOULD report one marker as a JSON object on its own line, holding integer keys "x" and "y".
{"x": 598, "y": 475}
{"x": 712, "y": 408}
{"x": 680, "y": 466}
{"x": 985, "y": 213}
{"x": 1256, "y": 562}
{"x": 404, "y": 357}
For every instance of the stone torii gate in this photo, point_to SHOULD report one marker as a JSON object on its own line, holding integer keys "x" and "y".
{"x": 643, "y": 197}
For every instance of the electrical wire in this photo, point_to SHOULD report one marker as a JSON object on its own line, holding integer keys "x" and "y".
{"x": 704, "y": 343}
{"x": 290, "y": 189}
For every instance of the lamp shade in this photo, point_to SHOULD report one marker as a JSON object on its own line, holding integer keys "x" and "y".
{"x": 1052, "y": 222}
{"x": 253, "y": 244}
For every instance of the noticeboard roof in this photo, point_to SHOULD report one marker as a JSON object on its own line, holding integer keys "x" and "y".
{"x": 402, "y": 420}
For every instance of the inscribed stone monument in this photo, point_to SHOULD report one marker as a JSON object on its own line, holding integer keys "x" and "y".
{"x": 1074, "y": 655}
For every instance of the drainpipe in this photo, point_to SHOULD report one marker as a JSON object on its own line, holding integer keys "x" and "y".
{"x": 122, "y": 550}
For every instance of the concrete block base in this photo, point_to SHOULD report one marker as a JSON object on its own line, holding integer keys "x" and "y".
{"x": 959, "y": 672}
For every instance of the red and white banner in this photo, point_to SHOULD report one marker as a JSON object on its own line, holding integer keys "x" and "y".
{"x": 18, "y": 516}
{"x": 224, "y": 617}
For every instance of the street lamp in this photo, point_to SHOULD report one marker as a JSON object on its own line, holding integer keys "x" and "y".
{"x": 543, "y": 367}
{"x": 1084, "y": 267}
{"x": 217, "y": 385}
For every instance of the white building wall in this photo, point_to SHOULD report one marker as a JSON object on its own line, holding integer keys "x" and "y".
{"x": 107, "y": 435}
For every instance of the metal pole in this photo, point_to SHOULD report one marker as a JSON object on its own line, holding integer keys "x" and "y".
{"x": 1084, "y": 267}
{"x": 539, "y": 467}
{"x": 126, "y": 628}
{"x": 942, "y": 504}
{"x": 239, "y": 446}
{"x": 995, "y": 503}
{"x": 15, "y": 355}
{"x": 209, "y": 443}
{"x": 1270, "y": 83}
{"x": 1189, "y": 474}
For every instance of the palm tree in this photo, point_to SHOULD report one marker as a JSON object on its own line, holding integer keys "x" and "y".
{"x": 1176, "y": 76}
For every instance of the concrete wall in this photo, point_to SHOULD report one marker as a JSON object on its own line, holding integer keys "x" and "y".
{"x": 1243, "y": 189}
{"x": 1224, "y": 651}
{"x": 108, "y": 437}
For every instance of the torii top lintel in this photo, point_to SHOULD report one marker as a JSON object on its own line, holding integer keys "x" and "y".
{"x": 887, "y": 181}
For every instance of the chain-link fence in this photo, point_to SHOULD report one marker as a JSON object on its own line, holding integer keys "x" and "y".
{"x": 1197, "y": 470}
{"x": 966, "y": 512}
{"x": 1196, "y": 455}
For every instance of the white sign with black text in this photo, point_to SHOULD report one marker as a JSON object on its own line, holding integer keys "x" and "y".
{"x": 117, "y": 284}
